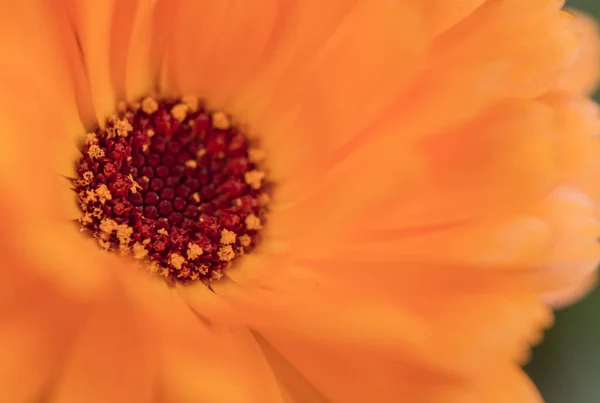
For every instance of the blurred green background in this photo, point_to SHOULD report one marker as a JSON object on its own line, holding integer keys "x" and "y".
{"x": 566, "y": 366}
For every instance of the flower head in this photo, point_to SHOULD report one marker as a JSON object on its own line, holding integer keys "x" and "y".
{"x": 350, "y": 201}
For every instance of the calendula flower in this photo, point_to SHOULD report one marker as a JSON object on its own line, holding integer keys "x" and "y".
{"x": 290, "y": 201}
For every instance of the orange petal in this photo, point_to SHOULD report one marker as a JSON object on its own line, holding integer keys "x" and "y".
{"x": 38, "y": 325}
{"x": 568, "y": 268}
{"x": 505, "y": 242}
{"x": 216, "y": 46}
{"x": 534, "y": 44}
{"x": 63, "y": 255}
{"x": 42, "y": 207}
{"x": 582, "y": 76}
{"x": 172, "y": 312}
{"x": 328, "y": 90}
{"x": 442, "y": 15}
{"x": 28, "y": 355}
{"x": 498, "y": 163}
{"x": 578, "y": 287}
{"x": 46, "y": 160}
{"x": 330, "y": 314}
{"x": 577, "y": 125}
{"x": 120, "y": 24}
{"x": 390, "y": 305}
{"x": 121, "y": 47}
{"x": 345, "y": 69}
{"x": 113, "y": 358}
{"x": 92, "y": 25}
{"x": 502, "y": 160}
{"x": 461, "y": 63}
{"x": 477, "y": 300}
{"x": 574, "y": 217}
{"x": 507, "y": 384}
{"x": 38, "y": 99}
{"x": 223, "y": 365}
{"x": 317, "y": 372}
{"x": 150, "y": 31}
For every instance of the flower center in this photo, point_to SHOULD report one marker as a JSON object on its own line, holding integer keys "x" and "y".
{"x": 174, "y": 185}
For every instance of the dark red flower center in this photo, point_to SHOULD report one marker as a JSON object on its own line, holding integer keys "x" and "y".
{"x": 174, "y": 185}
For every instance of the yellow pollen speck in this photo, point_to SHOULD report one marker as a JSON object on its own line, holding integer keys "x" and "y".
{"x": 123, "y": 127}
{"x": 227, "y": 237}
{"x": 86, "y": 218}
{"x": 124, "y": 234}
{"x": 256, "y": 155}
{"x": 217, "y": 275}
{"x": 191, "y": 164}
{"x": 124, "y": 249}
{"x": 139, "y": 252}
{"x": 149, "y": 105}
{"x": 162, "y": 231}
{"x": 220, "y": 121}
{"x": 200, "y": 152}
{"x": 196, "y": 197}
{"x": 91, "y": 138}
{"x": 192, "y": 102}
{"x": 134, "y": 185}
{"x": 264, "y": 199}
{"x": 164, "y": 272}
{"x": 245, "y": 240}
{"x": 254, "y": 178}
{"x": 253, "y": 222}
{"x": 89, "y": 197}
{"x": 226, "y": 253}
{"x": 154, "y": 267}
{"x": 87, "y": 177}
{"x": 179, "y": 112}
{"x": 195, "y": 276}
{"x": 176, "y": 261}
{"x": 150, "y": 132}
{"x": 203, "y": 269}
{"x": 184, "y": 273}
{"x": 194, "y": 251}
{"x": 95, "y": 151}
{"x": 145, "y": 147}
{"x": 191, "y": 123}
{"x": 105, "y": 245}
{"x": 97, "y": 213}
{"x": 103, "y": 193}
{"x": 108, "y": 226}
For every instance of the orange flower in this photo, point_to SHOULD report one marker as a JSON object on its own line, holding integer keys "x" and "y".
{"x": 434, "y": 168}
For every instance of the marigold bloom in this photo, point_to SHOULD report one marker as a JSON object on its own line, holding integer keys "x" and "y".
{"x": 434, "y": 169}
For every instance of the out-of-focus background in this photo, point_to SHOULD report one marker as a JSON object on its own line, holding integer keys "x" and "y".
{"x": 566, "y": 366}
